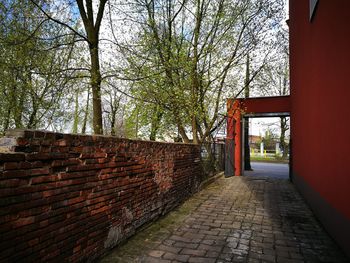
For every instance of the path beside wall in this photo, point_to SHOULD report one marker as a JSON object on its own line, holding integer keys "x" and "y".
{"x": 67, "y": 197}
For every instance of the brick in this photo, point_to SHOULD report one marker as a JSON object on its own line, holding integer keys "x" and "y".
{"x": 43, "y": 179}
{"x": 11, "y": 166}
{"x": 60, "y": 142}
{"x": 93, "y": 155}
{"x": 16, "y": 173}
{"x": 81, "y": 185}
{"x": 19, "y": 133}
{"x": 21, "y": 165}
{"x": 11, "y": 183}
{"x": 23, "y": 222}
{"x": 57, "y": 163}
{"x": 39, "y": 171}
{"x": 46, "y": 156}
{"x": 11, "y": 157}
{"x": 26, "y": 149}
{"x": 80, "y": 174}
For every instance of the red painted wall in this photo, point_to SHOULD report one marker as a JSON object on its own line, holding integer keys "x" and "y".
{"x": 320, "y": 93}
{"x": 234, "y": 130}
{"x": 276, "y": 104}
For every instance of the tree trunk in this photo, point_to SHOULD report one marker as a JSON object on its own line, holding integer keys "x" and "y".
{"x": 7, "y": 120}
{"x": 83, "y": 129}
{"x": 32, "y": 119}
{"x": 194, "y": 73}
{"x": 247, "y": 165}
{"x": 96, "y": 90}
{"x": 113, "y": 118}
{"x": 284, "y": 128}
{"x": 76, "y": 114}
{"x": 114, "y": 104}
{"x": 194, "y": 130}
{"x": 92, "y": 29}
{"x": 155, "y": 124}
{"x": 18, "y": 100}
{"x": 183, "y": 134}
{"x": 137, "y": 123}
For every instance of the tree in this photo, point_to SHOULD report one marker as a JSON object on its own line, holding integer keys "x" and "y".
{"x": 187, "y": 55}
{"x": 274, "y": 80}
{"x": 92, "y": 29}
{"x": 33, "y": 69}
{"x": 112, "y": 104}
{"x": 91, "y": 37}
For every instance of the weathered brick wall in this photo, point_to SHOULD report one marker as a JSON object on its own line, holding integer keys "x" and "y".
{"x": 67, "y": 197}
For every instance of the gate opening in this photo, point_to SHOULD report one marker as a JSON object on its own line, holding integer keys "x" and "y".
{"x": 238, "y": 111}
{"x": 265, "y": 146}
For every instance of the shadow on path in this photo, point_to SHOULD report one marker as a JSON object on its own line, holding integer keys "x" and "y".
{"x": 272, "y": 170}
{"x": 237, "y": 219}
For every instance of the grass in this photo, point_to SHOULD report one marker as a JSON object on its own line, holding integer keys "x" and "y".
{"x": 269, "y": 159}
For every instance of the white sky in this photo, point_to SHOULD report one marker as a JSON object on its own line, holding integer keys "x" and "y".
{"x": 258, "y": 126}
{"x": 286, "y": 6}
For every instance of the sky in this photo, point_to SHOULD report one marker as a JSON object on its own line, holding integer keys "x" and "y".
{"x": 258, "y": 126}
{"x": 286, "y": 6}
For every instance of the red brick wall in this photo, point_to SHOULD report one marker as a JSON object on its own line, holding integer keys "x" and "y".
{"x": 70, "y": 197}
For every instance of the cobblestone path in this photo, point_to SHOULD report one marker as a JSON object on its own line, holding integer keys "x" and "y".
{"x": 237, "y": 219}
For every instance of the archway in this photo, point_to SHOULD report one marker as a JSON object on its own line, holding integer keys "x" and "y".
{"x": 237, "y": 110}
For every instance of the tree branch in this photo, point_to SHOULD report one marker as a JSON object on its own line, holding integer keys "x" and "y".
{"x": 58, "y": 21}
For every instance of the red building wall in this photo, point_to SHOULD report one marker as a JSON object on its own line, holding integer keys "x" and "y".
{"x": 320, "y": 121}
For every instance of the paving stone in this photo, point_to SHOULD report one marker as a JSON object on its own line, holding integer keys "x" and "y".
{"x": 154, "y": 260}
{"x": 177, "y": 257}
{"x": 288, "y": 260}
{"x": 210, "y": 248}
{"x": 212, "y": 254}
{"x": 268, "y": 258}
{"x": 238, "y": 219}
{"x": 193, "y": 252}
{"x": 209, "y": 232}
{"x": 194, "y": 236}
{"x": 226, "y": 256}
{"x": 156, "y": 253}
{"x": 186, "y": 245}
{"x": 169, "y": 249}
{"x": 201, "y": 260}
{"x": 252, "y": 260}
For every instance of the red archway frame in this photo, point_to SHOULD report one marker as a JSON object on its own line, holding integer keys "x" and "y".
{"x": 238, "y": 108}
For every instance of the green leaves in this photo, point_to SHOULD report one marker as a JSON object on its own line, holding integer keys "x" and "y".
{"x": 191, "y": 52}
{"x": 32, "y": 74}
